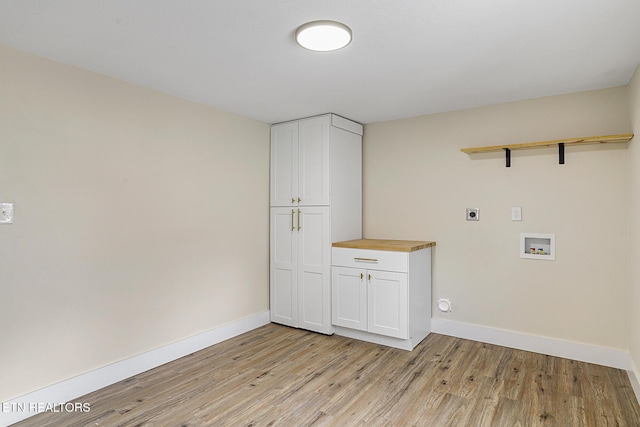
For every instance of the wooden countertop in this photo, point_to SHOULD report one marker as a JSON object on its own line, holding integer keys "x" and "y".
{"x": 385, "y": 245}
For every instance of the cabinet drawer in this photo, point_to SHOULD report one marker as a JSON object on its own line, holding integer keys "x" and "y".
{"x": 370, "y": 259}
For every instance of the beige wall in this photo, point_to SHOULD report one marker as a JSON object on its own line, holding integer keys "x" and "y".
{"x": 140, "y": 220}
{"x": 634, "y": 223}
{"x": 417, "y": 185}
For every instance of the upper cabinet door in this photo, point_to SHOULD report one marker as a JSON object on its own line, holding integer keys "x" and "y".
{"x": 300, "y": 162}
{"x": 313, "y": 155}
{"x": 284, "y": 164}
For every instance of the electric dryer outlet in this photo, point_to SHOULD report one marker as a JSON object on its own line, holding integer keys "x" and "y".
{"x": 473, "y": 214}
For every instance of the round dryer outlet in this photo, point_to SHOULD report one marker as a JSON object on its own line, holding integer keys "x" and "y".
{"x": 444, "y": 305}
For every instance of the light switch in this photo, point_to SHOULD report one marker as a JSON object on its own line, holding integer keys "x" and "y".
{"x": 6, "y": 213}
{"x": 516, "y": 213}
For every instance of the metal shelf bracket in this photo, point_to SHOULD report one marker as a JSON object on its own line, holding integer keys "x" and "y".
{"x": 507, "y": 156}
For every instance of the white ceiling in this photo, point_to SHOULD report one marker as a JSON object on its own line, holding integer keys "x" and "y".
{"x": 407, "y": 58}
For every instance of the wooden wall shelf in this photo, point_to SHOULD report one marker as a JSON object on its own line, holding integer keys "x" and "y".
{"x": 560, "y": 143}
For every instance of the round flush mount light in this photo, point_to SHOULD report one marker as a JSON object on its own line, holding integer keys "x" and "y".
{"x": 323, "y": 36}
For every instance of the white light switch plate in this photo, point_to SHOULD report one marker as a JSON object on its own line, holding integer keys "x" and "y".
{"x": 516, "y": 213}
{"x": 6, "y": 213}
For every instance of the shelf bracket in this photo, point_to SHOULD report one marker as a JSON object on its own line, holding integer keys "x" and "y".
{"x": 561, "y": 153}
{"x": 507, "y": 156}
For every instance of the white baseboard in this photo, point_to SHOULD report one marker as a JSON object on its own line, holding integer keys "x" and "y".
{"x": 30, "y": 404}
{"x": 606, "y": 356}
{"x": 634, "y": 377}
{"x": 408, "y": 344}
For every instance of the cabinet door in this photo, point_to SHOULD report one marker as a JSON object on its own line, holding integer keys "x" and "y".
{"x": 349, "y": 298}
{"x": 284, "y": 164}
{"x": 313, "y": 155}
{"x": 388, "y": 303}
{"x": 283, "y": 267}
{"x": 314, "y": 269}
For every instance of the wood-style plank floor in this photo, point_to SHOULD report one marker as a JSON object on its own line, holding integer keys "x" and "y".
{"x": 279, "y": 376}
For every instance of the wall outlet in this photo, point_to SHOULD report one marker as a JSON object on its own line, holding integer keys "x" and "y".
{"x": 6, "y": 213}
{"x": 444, "y": 305}
{"x": 473, "y": 214}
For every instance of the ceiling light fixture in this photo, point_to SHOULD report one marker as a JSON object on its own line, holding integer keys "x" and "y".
{"x": 323, "y": 36}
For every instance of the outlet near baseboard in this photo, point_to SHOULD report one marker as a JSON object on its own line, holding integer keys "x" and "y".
{"x": 444, "y": 305}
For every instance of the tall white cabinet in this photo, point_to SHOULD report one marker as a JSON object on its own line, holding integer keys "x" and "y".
{"x": 316, "y": 199}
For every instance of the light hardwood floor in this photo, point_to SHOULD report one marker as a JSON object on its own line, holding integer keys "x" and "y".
{"x": 279, "y": 376}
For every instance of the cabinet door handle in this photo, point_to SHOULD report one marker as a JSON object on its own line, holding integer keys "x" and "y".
{"x": 369, "y": 277}
{"x": 293, "y": 200}
{"x": 299, "y": 200}
{"x": 361, "y": 276}
{"x": 365, "y": 259}
{"x": 292, "y": 213}
{"x": 299, "y": 225}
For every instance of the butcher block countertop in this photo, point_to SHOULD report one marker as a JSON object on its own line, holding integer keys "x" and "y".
{"x": 385, "y": 245}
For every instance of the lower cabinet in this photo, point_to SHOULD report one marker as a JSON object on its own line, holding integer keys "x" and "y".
{"x": 370, "y": 300}
{"x": 382, "y": 296}
{"x": 300, "y": 268}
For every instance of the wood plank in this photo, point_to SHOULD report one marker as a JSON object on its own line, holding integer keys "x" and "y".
{"x": 385, "y": 245}
{"x": 604, "y": 139}
{"x": 276, "y": 375}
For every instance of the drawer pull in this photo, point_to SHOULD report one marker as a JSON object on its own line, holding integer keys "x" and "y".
{"x": 365, "y": 259}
